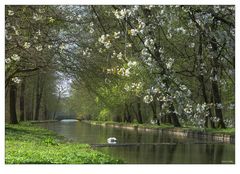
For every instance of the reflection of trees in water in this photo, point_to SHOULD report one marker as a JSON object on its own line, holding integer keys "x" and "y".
{"x": 139, "y": 137}
{"x": 219, "y": 153}
{"x": 210, "y": 153}
{"x": 214, "y": 153}
{"x": 171, "y": 149}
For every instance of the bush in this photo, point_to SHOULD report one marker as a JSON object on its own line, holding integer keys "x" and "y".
{"x": 104, "y": 115}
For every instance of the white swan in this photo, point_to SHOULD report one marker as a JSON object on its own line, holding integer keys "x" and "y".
{"x": 112, "y": 140}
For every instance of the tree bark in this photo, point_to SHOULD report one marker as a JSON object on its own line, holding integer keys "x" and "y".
{"x": 208, "y": 118}
{"x": 39, "y": 93}
{"x": 22, "y": 109}
{"x": 12, "y": 102}
{"x": 139, "y": 113}
{"x": 46, "y": 112}
{"x": 215, "y": 87}
{"x": 174, "y": 117}
{"x": 127, "y": 116}
{"x": 154, "y": 110}
{"x": 202, "y": 83}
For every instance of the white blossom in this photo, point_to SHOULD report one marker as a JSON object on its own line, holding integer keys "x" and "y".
{"x": 51, "y": 19}
{"x": 91, "y": 30}
{"x": 127, "y": 72}
{"x": 104, "y": 39}
{"x": 79, "y": 17}
{"x": 188, "y": 109}
{"x": 192, "y": 45}
{"x": 41, "y": 10}
{"x": 219, "y": 105}
{"x": 16, "y": 80}
{"x": 169, "y": 63}
{"x": 183, "y": 87}
{"x": 116, "y": 35}
{"x": 15, "y": 29}
{"x": 120, "y": 14}
{"x": 119, "y": 56}
{"x": 39, "y": 47}
{"x": 231, "y": 106}
{"x": 15, "y": 57}
{"x": 7, "y": 60}
{"x": 215, "y": 119}
{"x": 107, "y": 44}
{"x": 161, "y": 50}
{"x": 127, "y": 87}
{"x": 148, "y": 42}
{"x": 26, "y": 45}
{"x": 62, "y": 46}
{"x": 129, "y": 45}
{"x": 10, "y": 13}
{"x": 132, "y": 64}
{"x": 134, "y": 32}
{"x": 38, "y": 33}
{"x": 37, "y": 17}
{"x": 148, "y": 99}
{"x": 181, "y": 29}
{"x": 8, "y": 37}
{"x": 50, "y": 46}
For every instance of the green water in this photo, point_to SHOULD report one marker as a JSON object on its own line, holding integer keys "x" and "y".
{"x": 180, "y": 151}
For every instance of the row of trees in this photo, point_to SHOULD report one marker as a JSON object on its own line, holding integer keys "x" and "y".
{"x": 164, "y": 64}
{"x": 32, "y": 82}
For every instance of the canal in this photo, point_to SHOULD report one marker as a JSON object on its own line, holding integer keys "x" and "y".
{"x": 151, "y": 147}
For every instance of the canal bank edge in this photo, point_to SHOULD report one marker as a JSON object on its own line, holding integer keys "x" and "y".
{"x": 182, "y": 132}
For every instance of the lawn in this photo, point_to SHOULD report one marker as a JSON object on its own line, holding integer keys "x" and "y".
{"x": 28, "y": 144}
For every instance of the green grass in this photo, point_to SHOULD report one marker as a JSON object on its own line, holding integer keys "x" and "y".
{"x": 28, "y": 144}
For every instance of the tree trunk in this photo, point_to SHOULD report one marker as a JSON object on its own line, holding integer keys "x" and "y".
{"x": 32, "y": 103}
{"x": 217, "y": 100}
{"x": 215, "y": 88}
{"x": 12, "y": 102}
{"x": 39, "y": 93}
{"x": 139, "y": 114}
{"x": 202, "y": 83}
{"x": 154, "y": 110}
{"x": 208, "y": 118}
{"x": 127, "y": 116}
{"x": 45, "y": 112}
{"x": 174, "y": 117}
{"x": 22, "y": 109}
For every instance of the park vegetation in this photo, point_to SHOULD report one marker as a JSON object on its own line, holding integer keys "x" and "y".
{"x": 28, "y": 144}
{"x": 161, "y": 64}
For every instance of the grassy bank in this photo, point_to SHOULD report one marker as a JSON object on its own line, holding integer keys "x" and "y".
{"x": 28, "y": 144}
{"x": 227, "y": 131}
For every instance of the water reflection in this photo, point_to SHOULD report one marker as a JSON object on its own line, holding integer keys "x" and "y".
{"x": 184, "y": 151}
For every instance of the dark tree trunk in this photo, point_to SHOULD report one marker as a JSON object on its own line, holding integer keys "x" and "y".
{"x": 202, "y": 83}
{"x": 139, "y": 113}
{"x": 22, "y": 109}
{"x": 127, "y": 116}
{"x": 12, "y": 102}
{"x": 46, "y": 112}
{"x": 208, "y": 118}
{"x": 39, "y": 93}
{"x": 174, "y": 117}
{"x": 154, "y": 110}
{"x": 217, "y": 99}
{"x": 32, "y": 103}
{"x": 215, "y": 87}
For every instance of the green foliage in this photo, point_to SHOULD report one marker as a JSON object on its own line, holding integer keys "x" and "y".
{"x": 28, "y": 144}
{"x": 104, "y": 115}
